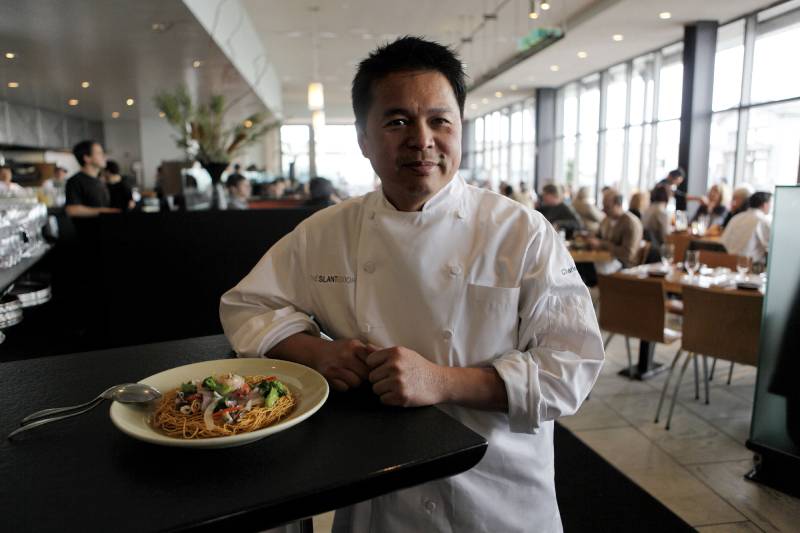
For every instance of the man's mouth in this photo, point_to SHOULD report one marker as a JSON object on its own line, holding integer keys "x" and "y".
{"x": 421, "y": 167}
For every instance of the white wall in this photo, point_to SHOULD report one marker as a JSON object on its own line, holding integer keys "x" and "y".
{"x": 158, "y": 145}
{"x": 123, "y": 143}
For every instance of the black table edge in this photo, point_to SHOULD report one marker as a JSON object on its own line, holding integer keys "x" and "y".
{"x": 405, "y": 476}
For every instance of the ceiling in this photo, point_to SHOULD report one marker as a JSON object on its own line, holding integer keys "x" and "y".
{"x": 348, "y": 29}
{"x": 111, "y": 44}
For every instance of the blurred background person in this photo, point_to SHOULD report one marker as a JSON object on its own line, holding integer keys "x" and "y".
{"x": 321, "y": 193}
{"x": 748, "y": 232}
{"x": 739, "y": 201}
{"x": 559, "y": 214}
{"x": 589, "y": 214}
{"x": 656, "y": 219}
{"x": 7, "y": 186}
{"x": 120, "y": 194}
{"x": 239, "y": 190}
{"x": 525, "y": 196}
{"x": 620, "y": 234}
{"x": 86, "y": 193}
{"x": 640, "y": 201}
{"x": 713, "y": 210}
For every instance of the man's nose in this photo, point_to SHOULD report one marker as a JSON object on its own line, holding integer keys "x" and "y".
{"x": 420, "y": 136}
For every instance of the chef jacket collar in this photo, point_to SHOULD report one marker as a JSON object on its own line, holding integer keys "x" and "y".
{"x": 448, "y": 198}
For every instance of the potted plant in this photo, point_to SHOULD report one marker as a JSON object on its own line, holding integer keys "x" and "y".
{"x": 202, "y": 132}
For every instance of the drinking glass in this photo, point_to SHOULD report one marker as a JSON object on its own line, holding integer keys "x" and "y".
{"x": 692, "y": 262}
{"x": 667, "y": 254}
{"x": 681, "y": 221}
{"x": 742, "y": 265}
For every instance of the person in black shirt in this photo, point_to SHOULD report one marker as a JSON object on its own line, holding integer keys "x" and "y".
{"x": 86, "y": 195}
{"x": 119, "y": 192}
{"x": 559, "y": 214}
{"x": 322, "y": 193}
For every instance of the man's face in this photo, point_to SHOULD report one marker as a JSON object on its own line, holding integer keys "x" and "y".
{"x": 412, "y": 136}
{"x": 244, "y": 189}
{"x": 97, "y": 158}
{"x": 550, "y": 200}
{"x": 609, "y": 205}
{"x": 5, "y": 175}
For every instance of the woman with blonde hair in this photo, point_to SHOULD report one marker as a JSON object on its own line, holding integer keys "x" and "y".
{"x": 589, "y": 214}
{"x": 713, "y": 207}
{"x": 640, "y": 201}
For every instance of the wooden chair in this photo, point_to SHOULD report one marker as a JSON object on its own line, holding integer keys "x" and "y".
{"x": 718, "y": 259}
{"x": 633, "y": 307}
{"x": 644, "y": 251}
{"x": 717, "y": 323}
{"x": 681, "y": 242}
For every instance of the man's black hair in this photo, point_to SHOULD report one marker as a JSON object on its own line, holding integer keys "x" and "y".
{"x": 676, "y": 173}
{"x": 234, "y": 180}
{"x": 112, "y": 167}
{"x": 83, "y": 149}
{"x": 659, "y": 194}
{"x": 405, "y": 54}
{"x": 758, "y": 199}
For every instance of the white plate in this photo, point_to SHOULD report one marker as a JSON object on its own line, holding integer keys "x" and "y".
{"x": 308, "y": 386}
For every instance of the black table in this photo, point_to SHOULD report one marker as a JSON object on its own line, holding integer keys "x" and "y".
{"x": 83, "y": 474}
{"x": 646, "y": 367}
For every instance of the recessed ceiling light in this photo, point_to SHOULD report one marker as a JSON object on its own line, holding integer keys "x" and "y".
{"x": 13, "y": 84}
{"x": 513, "y": 87}
{"x": 327, "y": 35}
{"x": 533, "y": 15}
{"x": 294, "y": 34}
{"x": 555, "y": 68}
{"x": 248, "y": 123}
{"x": 617, "y": 37}
{"x": 498, "y": 94}
{"x": 196, "y": 63}
{"x": 115, "y": 114}
{"x": 85, "y": 84}
{"x": 129, "y": 102}
{"x": 665, "y": 15}
{"x": 73, "y": 102}
{"x": 158, "y": 26}
{"x": 545, "y": 5}
{"x": 484, "y": 100}
{"x": 10, "y": 55}
{"x": 161, "y": 114}
{"x": 473, "y": 106}
{"x": 583, "y": 55}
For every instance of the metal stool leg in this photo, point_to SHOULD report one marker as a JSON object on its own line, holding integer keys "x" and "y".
{"x": 705, "y": 375}
{"x": 677, "y": 386}
{"x": 696, "y": 378}
{"x": 666, "y": 384}
{"x": 630, "y": 359}
{"x": 713, "y": 367}
{"x": 730, "y": 373}
{"x": 608, "y": 341}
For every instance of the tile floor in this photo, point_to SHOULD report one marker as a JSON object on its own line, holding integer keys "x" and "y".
{"x": 696, "y": 468}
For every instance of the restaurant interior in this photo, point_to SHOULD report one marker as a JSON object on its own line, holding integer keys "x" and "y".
{"x": 659, "y": 138}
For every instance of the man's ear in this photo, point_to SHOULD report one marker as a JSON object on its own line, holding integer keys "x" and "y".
{"x": 363, "y": 143}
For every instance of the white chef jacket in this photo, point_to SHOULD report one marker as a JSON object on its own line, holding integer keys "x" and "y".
{"x": 473, "y": 279}
{"x": 748, "y": 234}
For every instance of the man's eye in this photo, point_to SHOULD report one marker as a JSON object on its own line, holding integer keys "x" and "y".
{"x": 397, "y": 122}
{"x": 440, "y": 121}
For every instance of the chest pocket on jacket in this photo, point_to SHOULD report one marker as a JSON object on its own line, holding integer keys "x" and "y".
{"x": 490, "y": 320}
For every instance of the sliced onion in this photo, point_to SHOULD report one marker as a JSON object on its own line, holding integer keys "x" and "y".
{"x": 233, "y": 381}
{"x": 248, "y": 406}
{"x": 207, "y": 416}
{"x": 207, "y": 398}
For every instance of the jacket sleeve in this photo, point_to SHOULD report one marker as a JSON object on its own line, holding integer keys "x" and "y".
{"x": 272, "y": 302}
{"x": 560, "y": 351}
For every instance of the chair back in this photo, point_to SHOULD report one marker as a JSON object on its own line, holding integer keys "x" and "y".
{"x": 722, "y": 323}
{"x": 632, "y": 306}
{"x": 718, "y": 259}
{"x": 681, "y": 241}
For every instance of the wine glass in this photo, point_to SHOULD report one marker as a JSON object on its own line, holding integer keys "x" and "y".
{"x": 742, "y": 265}
{"x": 667, "y": 253}
{"x": 692, "y": 262}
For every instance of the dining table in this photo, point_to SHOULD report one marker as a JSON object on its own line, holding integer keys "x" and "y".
{"x": 584, "y": 255}
{"x": 673, "y": 279}
{"x": 83, "y": 474}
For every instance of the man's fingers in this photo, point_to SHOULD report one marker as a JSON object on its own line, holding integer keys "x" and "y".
{"x": 382, "y": 372}
{"x": 392, "y": 398}
{"x": 377, "y": 358}
{"x": 358, "y": 366}
{"x": 348, "y": 376}
{"x": 338, "y": 385}
{"x": 384, "y": 386}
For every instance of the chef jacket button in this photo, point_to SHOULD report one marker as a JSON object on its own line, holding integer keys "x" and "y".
{"x": 369, "y": 267}
{"x": 430, "y": 506}
{"x": 455, "y": 270}
{"x": 460, "y": 214}
{"x": 447, "y": 334}
{"x": 366, "y": 328}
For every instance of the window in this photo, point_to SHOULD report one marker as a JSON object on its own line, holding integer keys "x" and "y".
{"x": 728, "y": 65}
{"x": 614, "y": 142}
{"x": 340, "y": 160}
{"x": 722, "y": 157}
{"x": 670, "y": 83}
{"x": 773, "y": 146}
{"x": 294, "y": 151}
{"x": 774, "y": 75}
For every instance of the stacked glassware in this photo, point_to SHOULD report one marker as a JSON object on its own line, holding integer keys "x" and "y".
{"x": 22, "y": 218}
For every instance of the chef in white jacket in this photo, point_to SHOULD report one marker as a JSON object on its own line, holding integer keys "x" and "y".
{"x": 438, "y": 293}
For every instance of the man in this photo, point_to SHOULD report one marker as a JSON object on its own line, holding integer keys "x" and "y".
{"x": 741, "y": 195}
{"x": 7, "y": 186}
{"x": 445, "y": 294}
{"x": 120, "y": 193}
{"x": 620, "y": 233}
{"x": 87, "y": 196}
{"x": 559, "y": 214}
{"x": 748, "y": 233}
{"x": 239, "y": 190}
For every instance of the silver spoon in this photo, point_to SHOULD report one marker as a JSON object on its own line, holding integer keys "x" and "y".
{"x": 126, "y": 393}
